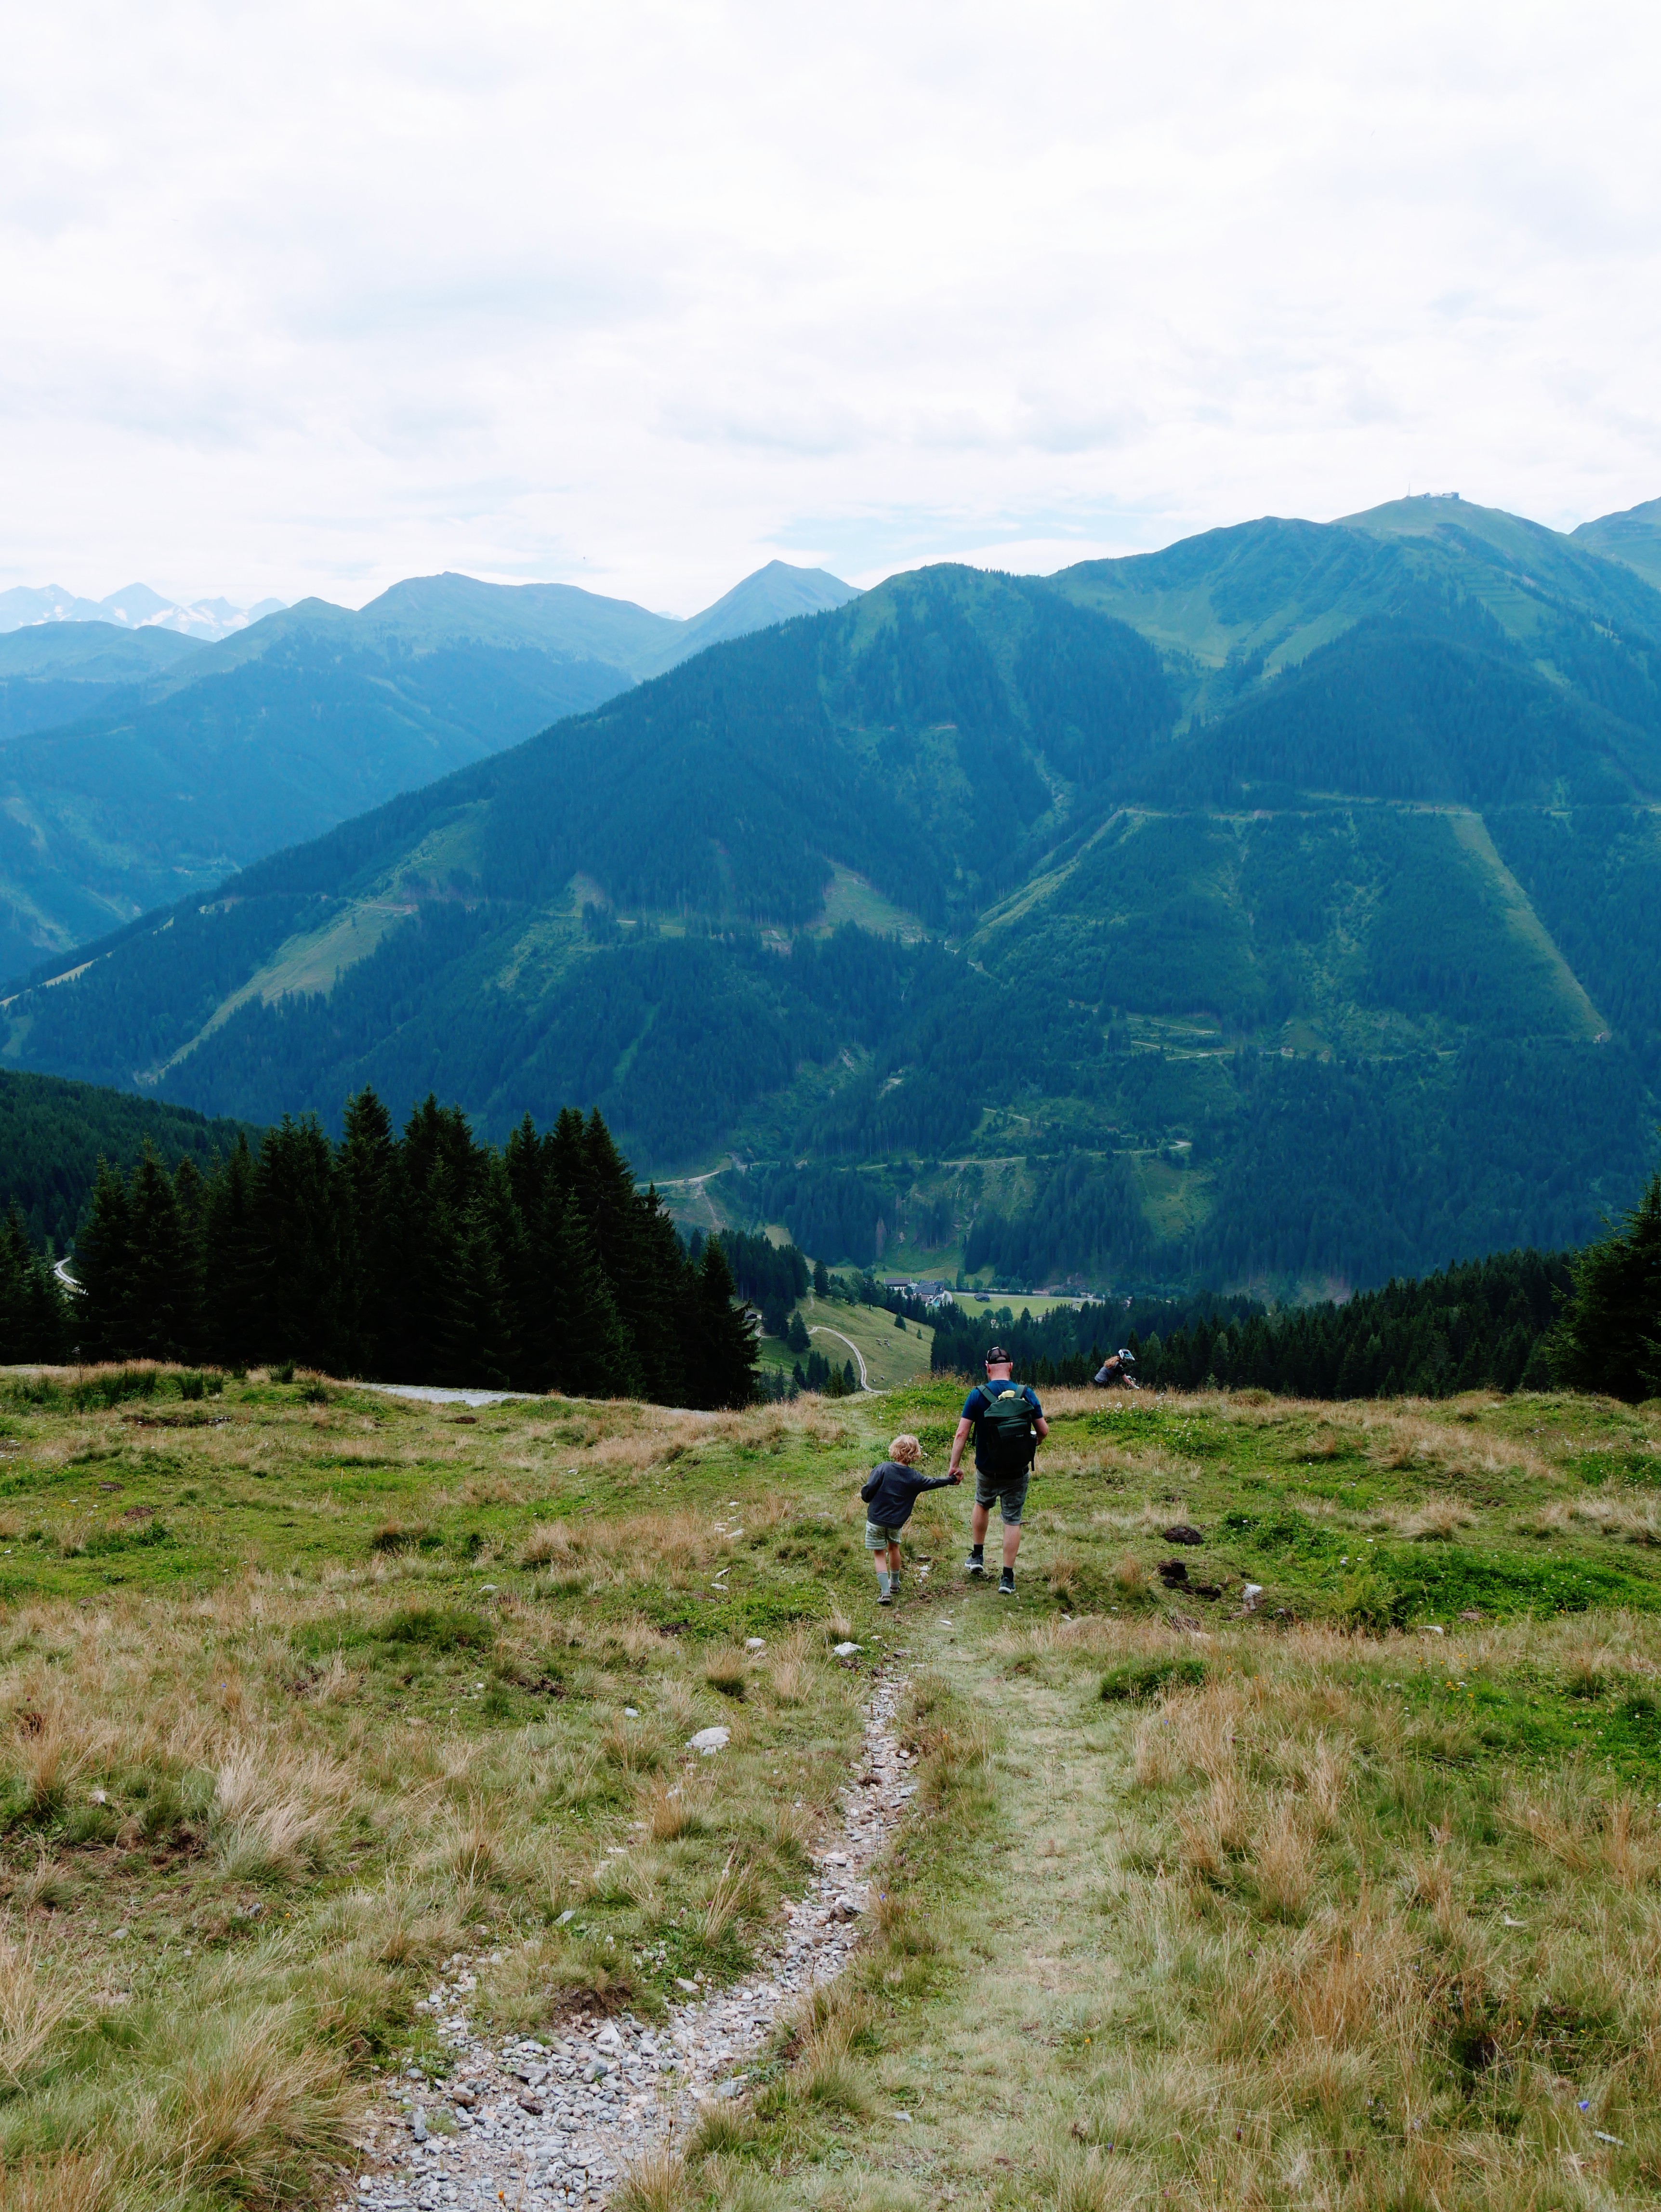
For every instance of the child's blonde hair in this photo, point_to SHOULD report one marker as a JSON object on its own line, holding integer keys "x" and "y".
{"x": 904, "y": 1448}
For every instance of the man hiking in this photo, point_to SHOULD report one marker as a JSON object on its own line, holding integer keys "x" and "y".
{"x": 1008, "y": 1422}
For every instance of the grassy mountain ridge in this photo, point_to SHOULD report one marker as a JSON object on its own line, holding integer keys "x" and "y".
{"x": 1294, "y": 947}
{"x": 1233, "y": 605}
{"x": 1632, "y": 537}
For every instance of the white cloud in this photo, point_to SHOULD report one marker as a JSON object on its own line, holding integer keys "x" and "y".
{"x": 639, "y": 294}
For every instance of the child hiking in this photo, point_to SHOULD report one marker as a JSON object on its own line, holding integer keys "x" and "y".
{"x": 891, "y": 1489}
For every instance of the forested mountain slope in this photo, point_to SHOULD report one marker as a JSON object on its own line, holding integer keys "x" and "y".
{"x": 62, "y": 671}
{"x": 1281, "y": 910}
{"x": 115, "y": 797}
{"x": 52, "y": 1135}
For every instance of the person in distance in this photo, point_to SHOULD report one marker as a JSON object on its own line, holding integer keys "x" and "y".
{"x": 1008, "y": 1423}
{"x": 1117, "y": 1371}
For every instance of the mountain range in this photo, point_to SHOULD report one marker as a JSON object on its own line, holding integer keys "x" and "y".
{"x": 1279, "y": 910}
{"x": 137, "y": 607}
{"x": 136, "y": 765}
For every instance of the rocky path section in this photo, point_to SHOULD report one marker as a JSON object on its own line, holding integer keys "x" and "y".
{"x": 557, "y": 2122}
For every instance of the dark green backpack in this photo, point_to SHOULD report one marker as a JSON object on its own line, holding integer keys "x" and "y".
{"x": 1007, "y": 1438}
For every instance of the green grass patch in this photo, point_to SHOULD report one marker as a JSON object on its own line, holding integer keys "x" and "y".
{"x": 1139, "y": 1682}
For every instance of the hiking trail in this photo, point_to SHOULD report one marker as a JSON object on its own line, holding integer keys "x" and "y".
{"x": 559, "y": 2122}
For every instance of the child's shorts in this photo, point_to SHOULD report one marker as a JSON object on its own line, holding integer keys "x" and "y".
{"x": 878, "y": 1538}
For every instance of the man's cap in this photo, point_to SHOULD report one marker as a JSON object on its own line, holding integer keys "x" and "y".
{"x": 997, "y": 1357}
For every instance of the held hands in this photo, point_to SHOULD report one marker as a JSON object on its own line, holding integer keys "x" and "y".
{"x": 954, "y": 1474}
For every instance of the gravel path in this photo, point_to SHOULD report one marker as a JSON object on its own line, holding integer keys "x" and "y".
{"x": 433, "y": 1393}
{"x": 557, "y": 2122}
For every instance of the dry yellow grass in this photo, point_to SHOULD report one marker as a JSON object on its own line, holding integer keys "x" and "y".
{"x": 293, "y": 1849}
{"x": 1247, "y": 1928}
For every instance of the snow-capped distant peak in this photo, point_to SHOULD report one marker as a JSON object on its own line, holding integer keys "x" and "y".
{"x": 134, "y": 607}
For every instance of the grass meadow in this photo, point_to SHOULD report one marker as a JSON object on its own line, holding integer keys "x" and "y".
{"x": 1350, "y": 1899}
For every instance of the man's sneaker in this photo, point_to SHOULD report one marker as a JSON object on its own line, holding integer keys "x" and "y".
{"x": 884, "y": 1597}
{"x": 1007, "y": 1582}
{"x": 974, "y": 1564}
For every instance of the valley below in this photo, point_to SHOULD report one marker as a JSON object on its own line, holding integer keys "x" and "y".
{"x": 1277, "y": 913}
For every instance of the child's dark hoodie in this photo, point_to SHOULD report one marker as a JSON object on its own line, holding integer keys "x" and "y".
{"x": 890, "y": 1491}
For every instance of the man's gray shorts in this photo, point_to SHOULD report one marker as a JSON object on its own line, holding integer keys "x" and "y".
{"x": 1007, "y": 1491}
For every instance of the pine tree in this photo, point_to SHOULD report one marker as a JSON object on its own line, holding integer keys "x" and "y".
{"x": 723, "y": 1361}
{"x": 528, "y": 1168}
{"x": 163, "y": 1278}
{"x": 233, "y": 1271}
{"x": 448, "y": 1285}
{"x": 1609, "y": 1336}
{"x": 369, "y": 1167}
{"x": 104, "y": 1269}
{"x": 473, "y": 1345}
{"x": 190, "y": 1196}
{"x": 33, "y": 1321}
{"x": 300, "y": 1230}
{"x": 629, "y": 1254}
{"x": 565, "y": 1157}
{"x": 47, "y": 1306}
{"x": 591, "y": 1355}
{"x": 660, "y": 1291}
{"x": 535, "y": 1257}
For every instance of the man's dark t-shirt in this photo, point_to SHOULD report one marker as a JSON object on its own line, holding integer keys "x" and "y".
{"x": 981, "y": 1397}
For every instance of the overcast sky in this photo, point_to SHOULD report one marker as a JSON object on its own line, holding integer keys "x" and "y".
{"x": 304, "y": 300}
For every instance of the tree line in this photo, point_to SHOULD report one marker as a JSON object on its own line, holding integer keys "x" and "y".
{"x": 1486, "y": 1325}
{"x": 1525, "y": 1319}
{"x": 426, "y": 1256}
{"x": 544, "y": 1266}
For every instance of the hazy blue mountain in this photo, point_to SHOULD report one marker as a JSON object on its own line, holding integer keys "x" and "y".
{"x": 59, "y": 672}
{"x": 93, "y": 652}
{"x": 1632, "y": 537}
{"x": 776, "y": 594}
{"x": 1279, "y": 910}
{"x": 562, "y": 619}
{"x": 134, "y": 607}
{"x": 204, "y": 758}
{"x": 45, "y": 603}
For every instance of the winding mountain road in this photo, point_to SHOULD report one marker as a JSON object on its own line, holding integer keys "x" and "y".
{"x": 818, "y": 1328}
